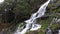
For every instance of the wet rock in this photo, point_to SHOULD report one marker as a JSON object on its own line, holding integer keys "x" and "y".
{"x": 55, "y": 6}
{"x": 54, "y": 1}
{"x": 58, "y": 14}
{"x": 49, "y": 31}
{"x": 58, "y": 20}
{"x": 57, "y": 31}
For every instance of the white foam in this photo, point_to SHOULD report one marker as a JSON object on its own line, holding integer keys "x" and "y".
{"x": 35, "y": 27}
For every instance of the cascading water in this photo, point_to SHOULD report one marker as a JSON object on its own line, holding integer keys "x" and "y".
{"x": 31, "y": 23}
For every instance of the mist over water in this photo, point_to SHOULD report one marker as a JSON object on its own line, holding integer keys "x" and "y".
{"x": 31, "y": 24}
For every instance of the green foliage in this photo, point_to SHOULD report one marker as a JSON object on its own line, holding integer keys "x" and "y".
{"x": 24, "y": 8}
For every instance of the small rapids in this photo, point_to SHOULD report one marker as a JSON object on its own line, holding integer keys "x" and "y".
{"x": 31, "y": 24}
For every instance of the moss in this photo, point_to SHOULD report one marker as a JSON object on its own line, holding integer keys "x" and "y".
{"x": 54, "y": 26}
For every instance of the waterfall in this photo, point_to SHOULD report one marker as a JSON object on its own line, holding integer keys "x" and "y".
{"x": 31, "y": 24}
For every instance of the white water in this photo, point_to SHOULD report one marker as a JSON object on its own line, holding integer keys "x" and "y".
{"x": 31, "y": 23}
{"x": 58, "y": 31}
{"x": 1, "y": 1}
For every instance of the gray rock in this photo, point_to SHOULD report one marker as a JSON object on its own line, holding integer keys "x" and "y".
{"x": 58, "y": 20}
{"x": 55, "y": 6}
{"x": 49, "y": 31}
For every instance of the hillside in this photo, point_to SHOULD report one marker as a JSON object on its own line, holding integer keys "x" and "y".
{"x": 15, "y": 12}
